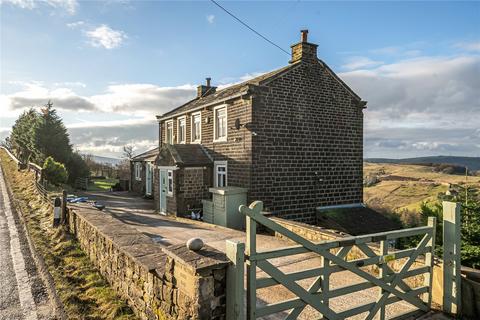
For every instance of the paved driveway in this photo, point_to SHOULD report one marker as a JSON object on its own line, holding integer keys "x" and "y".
{"x": 139, "y": 213}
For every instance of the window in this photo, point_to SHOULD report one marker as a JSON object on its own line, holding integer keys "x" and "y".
{"x": 182, "y": 130}
{"x": 169, "y": 132}
{"x": 220, "y": 173}
{"x": 138, "y": 171}
{"x": 196, "y": 127}
{"x": 170, "y": 182}
{"x": 220, "y": 123}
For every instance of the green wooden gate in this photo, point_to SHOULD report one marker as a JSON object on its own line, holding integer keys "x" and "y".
{"x": 390, "y": 280}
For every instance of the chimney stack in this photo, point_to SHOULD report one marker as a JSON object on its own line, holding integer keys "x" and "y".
{"x": 304, "y": 51}
{"x": 205, "y": 90}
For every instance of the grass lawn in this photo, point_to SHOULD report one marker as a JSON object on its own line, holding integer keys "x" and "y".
{"x": 101, "y": 184}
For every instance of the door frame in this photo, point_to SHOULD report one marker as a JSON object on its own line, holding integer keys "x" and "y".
{"x": 163, "y": 169}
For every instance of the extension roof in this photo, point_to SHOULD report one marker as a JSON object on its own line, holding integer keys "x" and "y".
{"x": 356, "y": 220}
{"x": 149, "y": 155}
{"x": 185, "y": 155}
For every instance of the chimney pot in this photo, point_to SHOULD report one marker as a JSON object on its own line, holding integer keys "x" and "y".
{"x": 205, "y": 90}
{"x": 304, "y": 51}
{"x": 304, "y": 36}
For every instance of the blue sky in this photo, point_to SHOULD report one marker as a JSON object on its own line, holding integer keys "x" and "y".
{"x": 115, "y": 64}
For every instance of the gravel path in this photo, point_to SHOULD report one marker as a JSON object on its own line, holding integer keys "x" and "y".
{"x": 22, "y": 292}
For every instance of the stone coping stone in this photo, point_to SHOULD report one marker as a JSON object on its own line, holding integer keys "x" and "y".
{"x": 131, "y": 239}
{"x": 154, "y": 261}
{"x": 200, "y": 261}
{"x": 139, "y": 250}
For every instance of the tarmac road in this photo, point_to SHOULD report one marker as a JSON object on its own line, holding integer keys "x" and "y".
{"x": 22, "y": 292}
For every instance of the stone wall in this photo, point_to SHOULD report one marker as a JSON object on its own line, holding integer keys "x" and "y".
{"x": 138, "y": 186}
{"x": 194, "y": 188}
{"x": 308, "y": 151}
{"x": 158, "y": 283}
{"x": 236, "y": 150}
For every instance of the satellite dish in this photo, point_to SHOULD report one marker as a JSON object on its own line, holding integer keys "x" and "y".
{"x": 237, "y": 124}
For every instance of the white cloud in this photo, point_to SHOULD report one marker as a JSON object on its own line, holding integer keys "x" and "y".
{"x": 210, "y": 18}
{"x": 106, "y": 37}
{"x": 469, "y": 46}
{"x": 354, "y": 63}
{"x": 421, "y": 106}
{"x": 76, "y": 24}
{"x": 129, "y": 99}
{"x": 70, "y": 6}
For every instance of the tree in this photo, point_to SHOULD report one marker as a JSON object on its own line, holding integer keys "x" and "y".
{"x": 54, "y": 171}
{"x": 469, "y": 198}
{"x": 51, "y": 136}
{"x": 22, "y": 137}
{"x": 77, "y": 168}
{"x": 128, "y": 152}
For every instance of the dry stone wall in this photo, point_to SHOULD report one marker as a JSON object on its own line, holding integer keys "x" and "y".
{"x": 157, "y": 282}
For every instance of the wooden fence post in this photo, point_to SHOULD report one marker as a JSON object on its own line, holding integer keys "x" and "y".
{"x": 250, "y": 250}
{"x": 235, "y": 275}
{"x": 451, "y": 258}
{"x": 64, "y": 207}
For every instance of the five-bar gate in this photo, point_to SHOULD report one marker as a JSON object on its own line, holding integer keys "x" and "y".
{"x": 390, "y": 280}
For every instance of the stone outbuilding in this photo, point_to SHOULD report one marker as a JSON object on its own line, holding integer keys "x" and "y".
{"x": 141, "y": 171}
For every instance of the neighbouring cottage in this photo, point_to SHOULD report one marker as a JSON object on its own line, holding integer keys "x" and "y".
{"x": 292, "y": 137}
{"x": 141, "y": 171}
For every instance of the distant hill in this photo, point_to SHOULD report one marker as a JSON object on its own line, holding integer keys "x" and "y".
{"x": 106, "y": 160}
{"x": 472, "y": 163}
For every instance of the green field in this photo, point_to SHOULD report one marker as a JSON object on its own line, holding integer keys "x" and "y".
{"x": 101, "y": 184}
{"x": 406, "y": 187}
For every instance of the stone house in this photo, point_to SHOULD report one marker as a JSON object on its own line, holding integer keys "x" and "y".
{"x": 141, "y": 171}
{"x": 293, "y": 137}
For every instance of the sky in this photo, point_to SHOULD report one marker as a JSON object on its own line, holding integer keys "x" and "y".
{"x": 110, "y": 66}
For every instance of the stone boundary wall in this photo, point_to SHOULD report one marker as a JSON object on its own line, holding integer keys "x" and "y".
{"x": 158, "y": 283}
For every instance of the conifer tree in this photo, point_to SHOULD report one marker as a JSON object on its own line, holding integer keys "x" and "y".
{"x": 51, "y": 136}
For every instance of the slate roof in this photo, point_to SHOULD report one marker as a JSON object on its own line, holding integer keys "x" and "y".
{"x": 356, "y": 221}
{"x": 226, "y": 92}
{"x": 149, "y": 155}
{"x": 189, "y": 154}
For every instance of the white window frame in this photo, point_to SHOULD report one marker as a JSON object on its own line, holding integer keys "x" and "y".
{"x": 192, "y": 131}
{"x": 184, "y": 133}
{"x": 215, "y": 137}
{"x": 169, "y": 178}
{"x": 169, "y": 122}
{"x": 138, "y": 173}
{"x": 217, "y": 164}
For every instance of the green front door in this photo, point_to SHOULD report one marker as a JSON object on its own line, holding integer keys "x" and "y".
{"x": 163, "y": 191}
